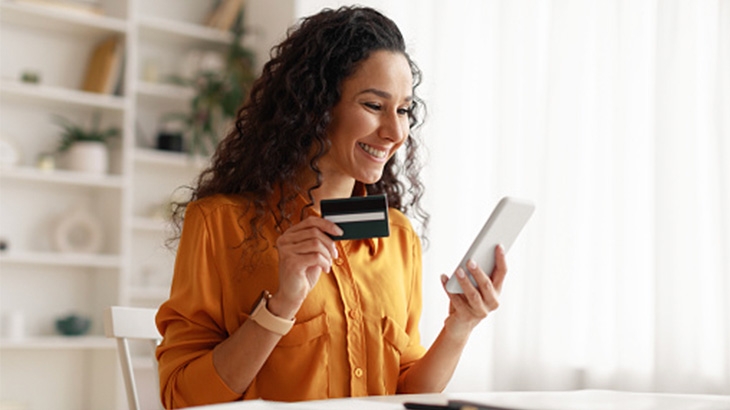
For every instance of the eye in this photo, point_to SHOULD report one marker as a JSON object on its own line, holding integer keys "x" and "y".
{"x": 373, "y": 106}
{"x": 404, "y": 111}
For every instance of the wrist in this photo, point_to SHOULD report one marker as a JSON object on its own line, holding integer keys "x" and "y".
{"x": 267, "y": 319}
{"x": 283, "y": 308}
{"x": 457, "y": 329}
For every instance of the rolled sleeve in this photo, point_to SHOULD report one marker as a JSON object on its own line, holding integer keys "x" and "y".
{"x": 191, "y": 323}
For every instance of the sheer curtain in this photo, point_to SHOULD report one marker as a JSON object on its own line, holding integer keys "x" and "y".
{"x": 614, "y": 117}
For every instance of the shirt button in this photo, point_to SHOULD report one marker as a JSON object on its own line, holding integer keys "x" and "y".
{"x": 358, "y": 372}
{"x": 339, "y": 261}
{"x": 353, "y": 314}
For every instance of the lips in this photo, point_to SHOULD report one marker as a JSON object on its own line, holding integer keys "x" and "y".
{"x": 377, "y": 153}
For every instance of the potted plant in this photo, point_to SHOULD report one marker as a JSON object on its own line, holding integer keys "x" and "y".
{"x": 85, "y": 150}
{"x": 219, "y": 92}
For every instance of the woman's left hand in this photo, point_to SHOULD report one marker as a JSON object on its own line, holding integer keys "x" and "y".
{"x": 467, "y": 309}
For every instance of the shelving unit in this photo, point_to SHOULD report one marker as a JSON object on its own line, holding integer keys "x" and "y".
{"x": 41, "y": 17}
{"x": 59, "y": 343}
{"x": 54, "y": 259}
{"x": 133, "y": 266}
{"x": 32, "y": 92}
{"x": 31, "y": 174}
{"x": 181, "y": 32}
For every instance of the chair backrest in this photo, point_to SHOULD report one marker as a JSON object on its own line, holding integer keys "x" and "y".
{"x": 126, "y": 324}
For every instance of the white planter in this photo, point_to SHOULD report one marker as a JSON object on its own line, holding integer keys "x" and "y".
{"x": 88, "y": 156}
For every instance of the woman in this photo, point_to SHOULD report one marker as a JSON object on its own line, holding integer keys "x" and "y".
{"x": 265, "y": 302}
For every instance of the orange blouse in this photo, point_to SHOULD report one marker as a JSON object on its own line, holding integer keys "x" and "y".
{"x": 355, "y": 334}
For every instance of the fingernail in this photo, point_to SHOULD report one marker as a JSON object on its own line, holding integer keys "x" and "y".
{"x": 471, "y": 264}
{"x": 337, "y": 254}
{"x": 339, "y": 231}
{"x": 444, "y": 278}
{"x": 460, "y": 273}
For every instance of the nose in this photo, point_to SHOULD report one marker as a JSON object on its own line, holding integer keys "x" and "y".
{"x": 393, "y": 127}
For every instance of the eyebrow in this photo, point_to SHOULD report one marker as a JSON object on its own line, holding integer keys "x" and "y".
{"x": 382, "y": 94}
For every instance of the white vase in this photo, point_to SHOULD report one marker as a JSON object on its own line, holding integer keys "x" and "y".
{"x": 88, "y": 156}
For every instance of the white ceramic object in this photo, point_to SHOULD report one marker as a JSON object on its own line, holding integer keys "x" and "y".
{"x": 14, "y": 325}
{"x": 88, "y": 156}
{"x": 79, "y": 231}
{"x": 9, "y": 153}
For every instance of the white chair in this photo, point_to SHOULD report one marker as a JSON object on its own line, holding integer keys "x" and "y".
{"x": 126, "y": 324}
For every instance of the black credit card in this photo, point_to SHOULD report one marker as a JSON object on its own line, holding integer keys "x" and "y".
{"x": 360, "y": 217}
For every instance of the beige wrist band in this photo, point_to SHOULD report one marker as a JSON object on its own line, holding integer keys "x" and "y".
{"x": 268, "y": 320}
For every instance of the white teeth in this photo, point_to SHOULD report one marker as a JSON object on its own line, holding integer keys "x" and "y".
{"x": 372, "y": 151}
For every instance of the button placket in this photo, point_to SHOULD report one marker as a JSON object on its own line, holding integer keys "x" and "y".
{"x": 356, "y": 348}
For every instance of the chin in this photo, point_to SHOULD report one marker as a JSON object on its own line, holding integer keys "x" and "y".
{"x": 370, "y": 180}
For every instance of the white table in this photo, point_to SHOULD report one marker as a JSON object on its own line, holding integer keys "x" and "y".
{"x": 555, "y": 400}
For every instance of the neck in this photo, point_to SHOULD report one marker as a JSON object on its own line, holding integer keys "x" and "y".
{"x": 332, "y": 187}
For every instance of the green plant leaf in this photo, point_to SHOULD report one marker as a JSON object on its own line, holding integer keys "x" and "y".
{"x": 72, "y": 133}
{"x": 218, "y": 95}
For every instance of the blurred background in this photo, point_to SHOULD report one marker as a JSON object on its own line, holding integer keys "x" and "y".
{"x": 612, "y": 116}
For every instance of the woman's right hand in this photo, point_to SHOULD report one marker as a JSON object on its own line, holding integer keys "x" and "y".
{"x": 305, "y": 251}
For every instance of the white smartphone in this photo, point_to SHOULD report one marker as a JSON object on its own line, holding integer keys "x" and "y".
{"x": 504, "y": 224}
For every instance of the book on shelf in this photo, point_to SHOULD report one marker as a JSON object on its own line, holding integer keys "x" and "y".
{"x": 225, "y": 14}
{"x": 104, "y": 69}
{"x": 77, "y": 6}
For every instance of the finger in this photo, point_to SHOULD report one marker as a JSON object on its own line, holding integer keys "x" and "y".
{"x": 459, "y": 303}
{"x": 290, "y": 253}
{"x": 481, "y": 278}
{"x": 304, "y": 232}
{"x": 312, "y": 226}
{"x": 314, "y": 260}
{"x": 500, "y": 268}
{"x": 296, "y": 263}
{"x": 306, "y": 244}
{"x": 491, "y": 300}
{"x": 323, "y": 225}
{"x": 305, "y": 236}
{"x": 471, "y": 294}
{"x": 487, "y": 290}
{"x": 444, "y": 280}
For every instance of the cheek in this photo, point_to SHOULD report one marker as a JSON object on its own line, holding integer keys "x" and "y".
{"x": 400, "y": 145}
{"x": 361, "y": 125}
{"x": 406, "y": 127}
{"x": 347, "y": 121}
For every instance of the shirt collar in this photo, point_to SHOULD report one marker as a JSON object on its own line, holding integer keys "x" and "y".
{"x": 373, "y": 243}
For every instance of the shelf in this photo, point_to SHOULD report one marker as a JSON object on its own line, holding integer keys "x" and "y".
{"x": 176, "y": 31}
{"x": 167, "y": 158}
{"x": 55, "y": 18}
{"x": 59, "y": 342}
{"x": 61, "y": 177}
{"x": 39, "y": 92}
{"x": 165, "y": 91}
{"x": 149, "y": 293}
{"x": 149, "y": 224}
{"x": 61, "y": 259}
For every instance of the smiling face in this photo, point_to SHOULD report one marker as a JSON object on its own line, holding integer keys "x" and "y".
{"x": 370, "y": 122}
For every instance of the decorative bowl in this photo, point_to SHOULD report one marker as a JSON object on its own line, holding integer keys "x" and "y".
{"x": 73, "y": 325}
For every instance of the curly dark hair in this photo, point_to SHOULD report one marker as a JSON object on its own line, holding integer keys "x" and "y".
{"x": 288, "y": 111}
